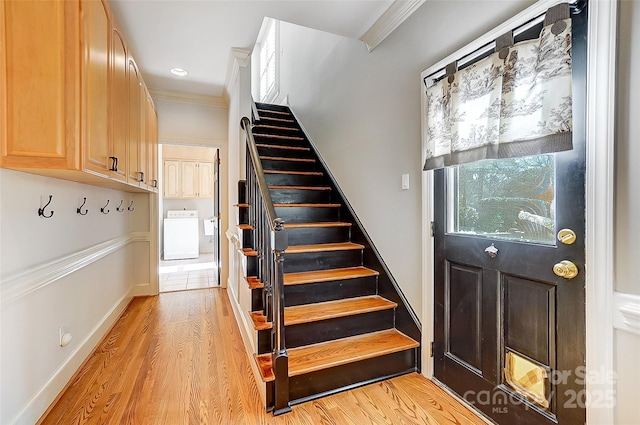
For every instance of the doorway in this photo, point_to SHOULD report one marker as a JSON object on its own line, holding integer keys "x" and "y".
{"x": 509, "y": 243}
{"x": 189, "y": 222}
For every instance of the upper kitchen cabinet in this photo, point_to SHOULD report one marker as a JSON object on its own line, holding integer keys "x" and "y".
{"x": 119, "y": 106}
{"x": 65, "y": 80}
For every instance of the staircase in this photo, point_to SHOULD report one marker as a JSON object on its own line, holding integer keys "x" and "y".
{"x": 345, "y": 322}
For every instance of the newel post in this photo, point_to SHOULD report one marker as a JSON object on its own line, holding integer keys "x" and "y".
{"x": 279, "y": 244}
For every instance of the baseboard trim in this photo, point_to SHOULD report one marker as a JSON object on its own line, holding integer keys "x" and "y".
{"x": 36, "y": 409}
{"x": 246, "y": 338}
{"x": 626, "y": 312}
{"x": 45, "y": 274}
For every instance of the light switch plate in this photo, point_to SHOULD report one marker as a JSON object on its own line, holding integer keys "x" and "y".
{"x": 405, "y": 182}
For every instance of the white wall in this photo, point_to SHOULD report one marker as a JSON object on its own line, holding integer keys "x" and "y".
{"x": 69, "y": 270}
{"x": 627, "y": 297}
{"x": 362, "y": 110}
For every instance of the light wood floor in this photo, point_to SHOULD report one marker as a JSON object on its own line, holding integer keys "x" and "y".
{"x": 178, "y": 358}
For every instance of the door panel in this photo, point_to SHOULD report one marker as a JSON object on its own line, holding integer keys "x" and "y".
{"x": 509, "y": 332}
{"x": 465, "y": 315}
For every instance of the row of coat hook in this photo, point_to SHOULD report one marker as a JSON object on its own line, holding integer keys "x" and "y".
{"x": 103, "y": 210}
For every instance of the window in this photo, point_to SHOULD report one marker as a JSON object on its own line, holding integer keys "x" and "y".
{"x": 268, "y": 82}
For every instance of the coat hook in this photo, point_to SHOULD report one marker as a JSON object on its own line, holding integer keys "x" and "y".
{"x": 102, "y": 210}
{"x": 119, "y": 207}
{"x": 130, "y": 207}
{"x": 79, "y": 210}
{"x": 41, "y": 210}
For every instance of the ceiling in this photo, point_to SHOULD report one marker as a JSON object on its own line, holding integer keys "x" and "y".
{"x": 198, "y": 35}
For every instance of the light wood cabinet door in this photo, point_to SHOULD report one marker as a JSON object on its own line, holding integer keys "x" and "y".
{"x": 41, "y": 86}
{"x": 189, "y": 178}
{"x": 119, "y": 107}
{"x": 143, "y": 145}
{"x": 171, "y": 179}
{"x": 96, "y": 30}
{"x": 152, "y": 131}
{"x": 205, "y": 179}
{"x": 133, "y": 78}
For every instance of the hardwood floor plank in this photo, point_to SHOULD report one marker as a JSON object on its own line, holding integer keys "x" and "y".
{"x": 179, "y": 358}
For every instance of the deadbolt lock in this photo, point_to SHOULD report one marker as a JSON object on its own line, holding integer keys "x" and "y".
{"x": 566, "y": 269}
{"x": 567, "y": 236}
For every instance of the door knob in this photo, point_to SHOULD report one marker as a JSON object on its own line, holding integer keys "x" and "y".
{"x": 566, "y": 269}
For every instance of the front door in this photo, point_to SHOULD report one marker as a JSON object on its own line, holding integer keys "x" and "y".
{"x": 509, "y": 330}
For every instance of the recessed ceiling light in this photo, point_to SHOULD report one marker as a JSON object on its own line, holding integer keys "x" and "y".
{"x": 179, "y": 72}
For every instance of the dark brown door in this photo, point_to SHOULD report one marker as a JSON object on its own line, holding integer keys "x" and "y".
{"x": 216, "y": 214}
{"x": 510, "y": 332}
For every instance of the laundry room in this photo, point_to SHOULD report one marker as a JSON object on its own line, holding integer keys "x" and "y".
{"x": 189, "y": 240}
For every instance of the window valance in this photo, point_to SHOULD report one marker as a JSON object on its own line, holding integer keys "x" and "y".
{"x": 515, "y": 102}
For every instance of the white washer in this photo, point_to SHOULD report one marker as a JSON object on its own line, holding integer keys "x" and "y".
{"x": 181, "y": 235}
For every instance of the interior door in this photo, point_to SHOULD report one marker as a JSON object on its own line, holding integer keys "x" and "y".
{"x": 216, "y": 213}
{"x": 509, "y": 331}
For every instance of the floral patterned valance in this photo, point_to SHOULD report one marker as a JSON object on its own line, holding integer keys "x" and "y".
{"x": 514, "y": 103}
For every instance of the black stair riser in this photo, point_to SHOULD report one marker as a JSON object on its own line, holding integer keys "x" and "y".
{"x": 340, "y": 327}
{"x": 316, "y": 235}
{"x": 264, "y": 341}
{"x": 322, "y": 260}
{"x": 270, "y": 107}
{"x": 247, "y": 239}
{"x": 252, "y": 265}
{"x": 300, "y": 196}
{"x": 308, "y": 214}
{"x": 256, "y": 299}
{"x": 323, "y": 382}
{"x": 292, "y": 180}
{"x": 243, "y": 215}
{"x": 264, "y": 140}
{"x": 278, "y": 127}
{"x": 269, "y": 164}
{"x": 329, "y": 291}
{"x": 286, "y": 153}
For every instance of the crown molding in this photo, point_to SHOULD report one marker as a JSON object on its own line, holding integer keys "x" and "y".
{"x": 391, "y": 19}
{"x": 193, "y": 98}
{"x": 238, "y": 58}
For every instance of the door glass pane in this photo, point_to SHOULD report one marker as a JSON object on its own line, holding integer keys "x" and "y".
{"x": 506, "y": 198}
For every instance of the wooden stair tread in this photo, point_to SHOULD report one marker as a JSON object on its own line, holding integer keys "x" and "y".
{"x": 307, "y": 205}
{"x": 314, "y": 276}
{"x": 277, "y": 136}
{"x": 254, "y": 283}
{"x": 260, "y": 321}
{"x": 283, "y": 147}
{"x": 265, "y": 367}
{"x": 272, "y": 111}
{"x": 316, "y": 312}
{"x": 241, "y": 205}
{"x": 300, "y": 187}
{"x": 311, "y": 358}
{"x": 245, "y": 227}
{"x": 332, "y": 309}
{"x": 276, "y": 119}
{"x": 323, "y": 247}
{"x": 284, "y": 158}
{"x": 299, "y": 173}
{"x": 275, "y": 127}
{"x": 317, "y": 224}
{"x": 249, "y": 252}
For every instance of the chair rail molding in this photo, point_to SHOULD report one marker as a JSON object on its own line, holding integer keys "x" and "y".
{"x": 37, "y": 278}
